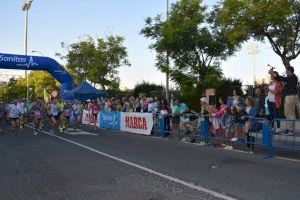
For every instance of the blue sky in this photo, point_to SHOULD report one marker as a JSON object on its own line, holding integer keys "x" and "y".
{"x": 56, "y": 21}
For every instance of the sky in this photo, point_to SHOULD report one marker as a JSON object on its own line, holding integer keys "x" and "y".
{"x": 56, "y": 21}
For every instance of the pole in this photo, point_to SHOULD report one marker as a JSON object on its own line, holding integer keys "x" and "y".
{"x": 25, "y": 51}
{"x": 254, "y": 74}
{"x": 167, "y": 73}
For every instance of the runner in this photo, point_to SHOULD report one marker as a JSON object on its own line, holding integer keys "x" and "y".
{"x": 37, "y": 112}
{"x": 95, "y": 109}
{"x": 66, "y": 117}
{"x": 54, "y": 115}
{"x": 77, "y": 114}
{"x": 61, "y": 118}
{"x": 14, "y": 114}
{"x": 21, "y": 106}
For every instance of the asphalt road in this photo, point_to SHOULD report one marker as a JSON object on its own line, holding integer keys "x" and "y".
{"x": 114, "y": 165}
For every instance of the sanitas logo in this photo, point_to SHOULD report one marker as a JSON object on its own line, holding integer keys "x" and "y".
{"x": 111, "y": 120}
{"x": 12, "y": 59}
{"x": 107, "y": 118}
{"x": 31, "y": 63}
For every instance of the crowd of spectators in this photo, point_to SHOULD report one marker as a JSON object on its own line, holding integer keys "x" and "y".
{"x": 234, "y": 117}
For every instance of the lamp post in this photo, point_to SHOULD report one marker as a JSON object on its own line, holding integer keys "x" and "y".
{"x": 167, "y": 73}
{"x": 35, "y": 51}
{"x": 25, "y": 8}
{"x": 253, "y": 50}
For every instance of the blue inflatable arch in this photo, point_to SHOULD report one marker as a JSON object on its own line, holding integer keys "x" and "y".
{"x": 22, "y": 62}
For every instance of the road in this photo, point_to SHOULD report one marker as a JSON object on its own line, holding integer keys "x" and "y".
{"x": 106, "y": 164}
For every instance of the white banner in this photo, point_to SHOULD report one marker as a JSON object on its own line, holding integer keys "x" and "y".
{"x": 140, "y": 123}
{"x": 88, "y": 119}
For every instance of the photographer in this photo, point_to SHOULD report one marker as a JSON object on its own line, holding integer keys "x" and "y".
{"x": 291, "y": 99}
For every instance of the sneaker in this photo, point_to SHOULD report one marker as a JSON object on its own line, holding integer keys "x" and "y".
{"x": 234, "y": 139}
{"x": 202, "y": 143}
{"x": 288, "y": 133}
{"x": 229, "y": 148}
{"x": 51, "y": 132}
{"x": 35, "y": 133}
{"x": 278, "y": 130}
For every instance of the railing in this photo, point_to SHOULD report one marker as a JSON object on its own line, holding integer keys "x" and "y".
{"x": 262, "y": 132}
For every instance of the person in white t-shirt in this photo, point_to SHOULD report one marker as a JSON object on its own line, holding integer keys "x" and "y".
{"x": 14, "y": 115}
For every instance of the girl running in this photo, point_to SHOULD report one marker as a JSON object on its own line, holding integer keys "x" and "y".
{"x": 37, "y": 116}
{"x": 66, "y": 118}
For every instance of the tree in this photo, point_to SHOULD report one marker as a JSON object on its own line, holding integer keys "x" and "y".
{"x": 40, "y": 81}
{"x": 191, "y": 43}
{"x": 98, "y": 61}
{"x": 278, "y": 21}
{"x": 148, "y": 88}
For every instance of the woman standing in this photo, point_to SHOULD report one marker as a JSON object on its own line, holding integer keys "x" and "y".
{"x": 274, "y": 97}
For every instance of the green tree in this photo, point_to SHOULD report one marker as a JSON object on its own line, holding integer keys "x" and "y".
{"x": 148, "y": 88}
{"x": 40, "y": 81}
{"x": 98, "y": 60}
{"x": 190, "y": 41}
{"x": 278, "y": 21}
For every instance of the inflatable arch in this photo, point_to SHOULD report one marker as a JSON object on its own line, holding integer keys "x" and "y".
{"x": 22, "y": 62}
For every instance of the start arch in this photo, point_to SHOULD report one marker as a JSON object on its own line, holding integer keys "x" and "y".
{"x": 22, "y": 62}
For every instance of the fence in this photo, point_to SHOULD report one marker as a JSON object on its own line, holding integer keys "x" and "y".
{"x": 261, "y": 132}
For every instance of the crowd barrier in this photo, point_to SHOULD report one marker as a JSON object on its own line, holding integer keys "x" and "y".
{"x": 262, "y": 132}
{"x": 139, "y": 123}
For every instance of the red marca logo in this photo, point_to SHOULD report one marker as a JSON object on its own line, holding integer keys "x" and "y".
{"x": 136, "y": 122}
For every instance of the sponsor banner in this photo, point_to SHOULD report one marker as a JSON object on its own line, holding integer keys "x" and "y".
{"x": 88, "y": 119}
{"x": 140, "y": 123}
{"x": 110, "y": 120}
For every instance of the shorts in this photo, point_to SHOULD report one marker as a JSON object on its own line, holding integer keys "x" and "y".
{"x": 176, "y": 120}
{"x": 67, "y": 117}
{"x": 14, "y": 119}
{"x": 193, "y": 117}
{"x": 56, "y": 117}
{"x": 37, "y": 116}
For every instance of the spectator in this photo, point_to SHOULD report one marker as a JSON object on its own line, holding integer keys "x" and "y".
{"x": 166, "y": 112}
{"x": 176, "y": 116}
{"x": 251, "y": 113}
{"x": 291, "y": 100}
{"x": 259, "y": 100}
{"x": 204, "y": 106}
{"x": 227, "y": 125}
{"x": 237, "y": 101}
{"x": 274, "y": 97}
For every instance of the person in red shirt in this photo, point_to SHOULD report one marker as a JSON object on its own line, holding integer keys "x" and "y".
{"x": 95, "y": 108}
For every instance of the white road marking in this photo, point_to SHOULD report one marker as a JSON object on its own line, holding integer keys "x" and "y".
{"x": 80, "y": 133}
{"x": 176, "y": 180}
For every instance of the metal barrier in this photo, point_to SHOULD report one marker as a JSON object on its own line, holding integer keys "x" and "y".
{"x": 285, "y": 138}
{"x": 261, "y": 133}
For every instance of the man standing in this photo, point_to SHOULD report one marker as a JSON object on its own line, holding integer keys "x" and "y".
{"x": 291, "y": 100}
